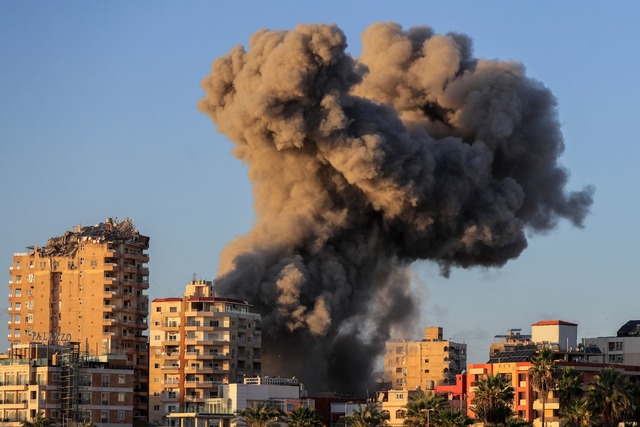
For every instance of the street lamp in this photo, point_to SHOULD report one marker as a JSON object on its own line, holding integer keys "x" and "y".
{"x": 428, "y": 410}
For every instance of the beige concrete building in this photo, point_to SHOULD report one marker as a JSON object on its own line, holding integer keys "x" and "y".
{"x": 86, "y": 286}
{"x": 427, "y": 363}
{"x": 512, "y": 341}
{"x": 65, "y": 386}
{"x": 197, "y": 343}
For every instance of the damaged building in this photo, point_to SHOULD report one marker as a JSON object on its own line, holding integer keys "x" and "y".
{"x": 87, "y": 286}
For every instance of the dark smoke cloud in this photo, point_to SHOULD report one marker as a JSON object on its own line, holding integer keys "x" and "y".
{"x": 416, "y": 150}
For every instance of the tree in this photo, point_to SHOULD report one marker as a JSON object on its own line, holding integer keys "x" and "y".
{"x": 610, "y": 397}
{"x": 493, "y": 399}
{"x": 422, "y": 408}
{"x": 260, "y": 414}
{"x": 568, "y": 386}
{"x": 576, "y": 413}
{"x": 303, "y": 417}
{"x": 369, "y": 415}
{"x": 517, "y": 422}
{"x": 450, "y": 417}
{"x": 542, "y": 374}
{"x": 38, "y": 421}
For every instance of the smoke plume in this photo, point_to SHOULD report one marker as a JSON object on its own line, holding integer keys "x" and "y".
{"x": 416, "y": 150}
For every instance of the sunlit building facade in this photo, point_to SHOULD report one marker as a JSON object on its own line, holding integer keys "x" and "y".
{"x": 426, "y": 363}
{"x": 87, "y": 286}
{"x": 199, "y": 342}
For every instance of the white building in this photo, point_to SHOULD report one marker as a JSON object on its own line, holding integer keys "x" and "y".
{"x": 624, "y": 348}
{"x": 554, "y": 333}
{"x": 288, "y": 395}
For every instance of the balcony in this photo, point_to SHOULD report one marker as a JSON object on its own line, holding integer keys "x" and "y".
{"x": 170, "y": 367}
{"x": 552, "y": 403}
{"x": 110, "y": 266}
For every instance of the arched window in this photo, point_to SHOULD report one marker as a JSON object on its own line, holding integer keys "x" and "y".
{"x": 400, "y": 413}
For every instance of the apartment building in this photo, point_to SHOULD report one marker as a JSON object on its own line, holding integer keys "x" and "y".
{"x": 426, "y": 363}
{"x": 513, "y": 340}
{"x": 66, "y": 386}
{"x": 86, "y": 286}
{"x": 623, "y": 348}
{"x": 198, "y": 342}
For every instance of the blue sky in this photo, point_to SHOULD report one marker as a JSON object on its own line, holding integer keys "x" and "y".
{"x": 98, "y": 118}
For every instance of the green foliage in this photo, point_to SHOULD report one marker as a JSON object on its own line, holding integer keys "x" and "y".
{"x": 450, "y": 417}
{"x": 576, "y": 412}
{"x": 517, "y": 422}
{"x": 543, "y": 375}
{"x": 568, "y": 386}
{"x": 422, "y": 408}
{"x": 493, "y": 399}
{"x": 39, "y": 421}
{"x": 369, "y": 415}
{"x": 259, "y": 414}
{"x": 610, "y": 397}
{"x": 303, "y": 417}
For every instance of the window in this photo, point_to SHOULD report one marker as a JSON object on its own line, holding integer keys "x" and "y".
{"x": 31, "y": 278}
{"x": 173, "y": 309}
{"x": 30, "y": 264}
{"x": 18, "y": 292}
{"x": 399, "y": 396}
{"x": 16, "y": 332}
{"x": 121, "y": 397}
{"x": 29, "y": 318}
{"x": 156, "y": 408}
{"x": 104, "y": 416}
{"x": 81, "y": 260}
{"x": 120, "y": 415}
{"x": 94, "y": 263}
{"x": 121, "y": 379}
{"x": 17, "y": 265}
{"x": 400, "y": 413}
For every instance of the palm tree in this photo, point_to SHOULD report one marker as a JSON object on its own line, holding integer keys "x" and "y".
{"x": 450, "y": 417}
{"x": 260, "y": 414}
{"x": 422, "y": 408}
{"x": 542, "y": 374}
{"x": 568, "y": 386}
{"x": 303, "y": 417}
{"x": 493, "y": 399}
{"x": 517, "y": 422}
{"x": 368, "y": 415}
{"x": 576, "y": 413}
{"x": 610, "y": 396}
{"x": 38, "y": 421}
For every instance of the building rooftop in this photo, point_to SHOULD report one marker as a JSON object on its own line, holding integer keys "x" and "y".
{"x": 109, "y": 231}
{"x": 523, "y": 355}
{"x": 553, "y": 322}
{"x": 629, "y": 329}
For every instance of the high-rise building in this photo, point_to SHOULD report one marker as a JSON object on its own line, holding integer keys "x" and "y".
{"x": 87, "y": 286}
{"x": 427, "y": 363}
{"x": 197, "y": 343}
